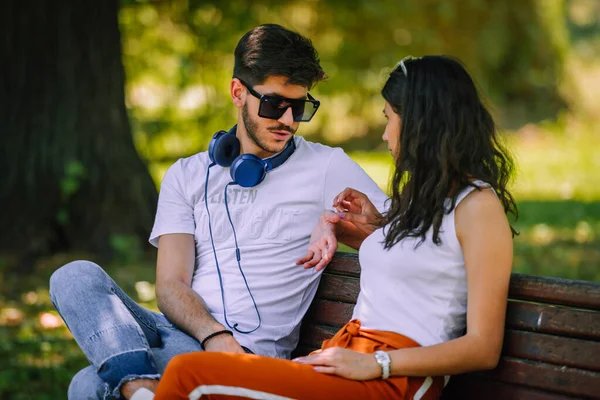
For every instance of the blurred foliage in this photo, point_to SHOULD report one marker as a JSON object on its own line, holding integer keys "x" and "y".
{"x": 71, "y": 182}
{"x": 178, "y": 57}
{"x": 126, "y": 248}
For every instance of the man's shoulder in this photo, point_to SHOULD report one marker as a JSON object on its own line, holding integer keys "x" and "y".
{"x": 316, "y": 148}
{"x": 192, "y": 164}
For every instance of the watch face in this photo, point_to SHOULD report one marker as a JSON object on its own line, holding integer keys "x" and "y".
{"x": 383, "y": 359}
{"x": 381, "y": 356}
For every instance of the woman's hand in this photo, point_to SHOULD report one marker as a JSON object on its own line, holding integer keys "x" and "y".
{"x": 346, "y": 363}
{"x": 323, "y": 243}
{"x": 354, "y": 206}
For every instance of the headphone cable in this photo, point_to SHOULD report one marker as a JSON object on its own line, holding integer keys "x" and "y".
{"x": 237, "y": 254}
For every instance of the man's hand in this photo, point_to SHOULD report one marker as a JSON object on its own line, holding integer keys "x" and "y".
{"x": 346, "y": 363}
{"x": 355, "y": 207}
{"x": 323, "y": 243}
{"x": 224, "y": 344}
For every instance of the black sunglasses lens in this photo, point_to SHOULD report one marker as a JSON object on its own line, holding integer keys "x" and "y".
{"x": 298, "y": 111}
{"x": 270, "y": 107}
{"x": 304, "y": 110}
{"x": 274, "y": 107}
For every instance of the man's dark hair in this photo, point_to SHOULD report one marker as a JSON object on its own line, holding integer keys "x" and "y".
{"x": 448, "y": 138}
{"x": 272, "y": 50}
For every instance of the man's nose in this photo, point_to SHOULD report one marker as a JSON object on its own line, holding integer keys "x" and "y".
{"x": 287, "y": 118}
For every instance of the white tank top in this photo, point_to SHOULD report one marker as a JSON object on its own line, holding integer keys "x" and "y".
{"x": 418, "y": 292}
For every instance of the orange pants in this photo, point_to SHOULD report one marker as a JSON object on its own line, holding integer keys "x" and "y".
{"x": 227, "y": 375}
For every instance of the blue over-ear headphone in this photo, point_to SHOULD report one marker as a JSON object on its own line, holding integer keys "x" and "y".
{"x": 247, "y": 170}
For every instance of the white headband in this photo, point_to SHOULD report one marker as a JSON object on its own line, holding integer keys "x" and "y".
{"x": 401, "y": 64}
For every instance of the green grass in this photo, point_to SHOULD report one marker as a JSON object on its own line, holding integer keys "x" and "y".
{"x": 559, "y": 238}
{"x": 38, "y": 361}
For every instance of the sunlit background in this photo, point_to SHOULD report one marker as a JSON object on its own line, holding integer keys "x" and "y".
{"x": 536, "y": 61}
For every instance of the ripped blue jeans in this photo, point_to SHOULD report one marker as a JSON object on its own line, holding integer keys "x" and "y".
{"x": 121, "y": 339}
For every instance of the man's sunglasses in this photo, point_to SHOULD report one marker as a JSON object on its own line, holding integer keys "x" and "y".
{"x": 273, "y": 107}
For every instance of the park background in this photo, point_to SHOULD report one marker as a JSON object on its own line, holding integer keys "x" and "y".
{"x": 100, "y": 97}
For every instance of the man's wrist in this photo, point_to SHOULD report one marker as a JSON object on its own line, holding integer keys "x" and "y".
{"x": 213, "y": 335}
{"x": 205, "y": 328}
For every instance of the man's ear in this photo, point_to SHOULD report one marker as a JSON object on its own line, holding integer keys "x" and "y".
{"x": 237, "y": 91}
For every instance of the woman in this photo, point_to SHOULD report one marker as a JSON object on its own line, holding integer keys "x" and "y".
{"x": 445, "y": 238}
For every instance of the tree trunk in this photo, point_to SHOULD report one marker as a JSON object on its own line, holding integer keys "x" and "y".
{"x": 72, "y": 177}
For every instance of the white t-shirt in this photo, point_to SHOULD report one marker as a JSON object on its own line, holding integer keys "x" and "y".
{"x": 418, "y": 292}
{"x": 273, "y": 222}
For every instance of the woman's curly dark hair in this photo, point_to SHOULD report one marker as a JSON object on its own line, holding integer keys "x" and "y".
{"x": 448, "y": 139}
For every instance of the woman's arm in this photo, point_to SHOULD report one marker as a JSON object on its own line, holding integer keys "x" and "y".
{"x": 486, "y": 241}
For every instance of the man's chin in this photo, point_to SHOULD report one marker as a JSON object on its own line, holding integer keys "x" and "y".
{"x": 275, "y": 149}
{"x": 277, "y": 144}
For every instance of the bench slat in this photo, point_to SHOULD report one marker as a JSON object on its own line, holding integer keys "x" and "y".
{"x": 466, "y": 387}
{"x": 327, "y": 312}
{"x": 537, "y": 375}
{"x": 542, "y": 289}
{"x": 550, "y": 349}
{"x": 344, "y": 264}
{"x": 560, "y": 321}
{"x": 339, "y": 288}
{"x": 312, "y": 335}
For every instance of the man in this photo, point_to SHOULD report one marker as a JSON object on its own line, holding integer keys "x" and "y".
{"x": 227, "y": 273}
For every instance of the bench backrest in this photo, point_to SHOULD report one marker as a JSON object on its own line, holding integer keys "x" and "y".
{"x": 552, "y": 338}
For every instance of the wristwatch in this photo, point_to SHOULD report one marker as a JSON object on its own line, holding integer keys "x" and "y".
{"x": 383, "y": 359}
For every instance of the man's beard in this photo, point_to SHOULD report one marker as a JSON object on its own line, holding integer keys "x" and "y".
{"x": 252, "y": 127}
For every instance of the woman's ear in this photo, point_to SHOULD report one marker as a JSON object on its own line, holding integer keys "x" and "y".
{"x": 237, "y": 91}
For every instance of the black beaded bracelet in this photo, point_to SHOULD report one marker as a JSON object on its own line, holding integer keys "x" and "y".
{"x": 212, "y": 335}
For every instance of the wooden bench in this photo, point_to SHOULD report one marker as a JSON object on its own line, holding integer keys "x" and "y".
{"x": 552, "y": 338}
